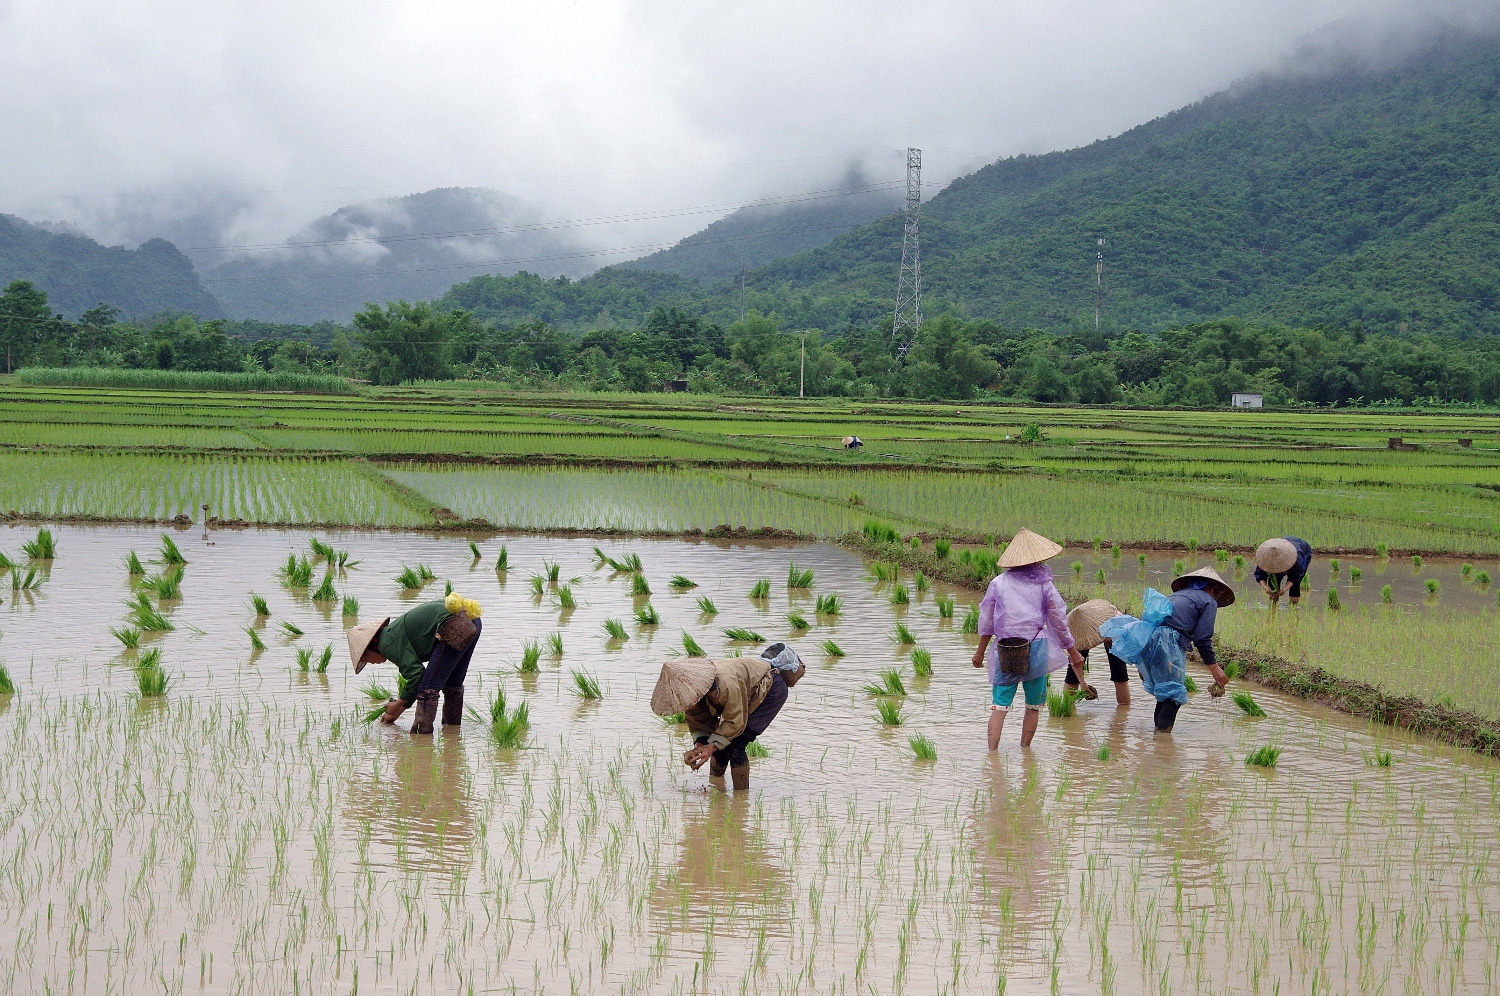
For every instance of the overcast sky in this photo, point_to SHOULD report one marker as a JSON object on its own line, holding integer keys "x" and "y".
{"x": 238, "y": 122}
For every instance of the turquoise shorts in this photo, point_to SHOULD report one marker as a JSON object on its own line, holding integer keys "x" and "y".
{"x": 1036, "y": 693}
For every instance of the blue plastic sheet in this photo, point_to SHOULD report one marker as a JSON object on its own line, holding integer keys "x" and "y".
{"x": 1156, "y": 651}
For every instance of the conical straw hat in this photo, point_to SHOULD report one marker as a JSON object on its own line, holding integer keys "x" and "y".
{"x": 1028, "y": 548}
{"x": 682, "y": 682}
{"x": 1222, "y": 593}
{"x": 1085, "y": 620}
{"x": 1276, "y": 556}
{"x": 360, "y": 638}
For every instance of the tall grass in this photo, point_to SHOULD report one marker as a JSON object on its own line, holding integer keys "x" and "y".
{"x": 182, "y": 380}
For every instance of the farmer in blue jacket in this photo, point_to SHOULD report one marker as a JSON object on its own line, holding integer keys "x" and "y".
{"x": 1281, "y": 565}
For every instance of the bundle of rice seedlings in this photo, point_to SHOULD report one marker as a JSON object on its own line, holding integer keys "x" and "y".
{"x": 615, "y": 629}
{"x": 1482, "y": 578}
{"x": 922, "y": 748}
{"x": 304, "y": 658}
{"x": 320, "y": 549}
{"x": 890, "y": 683}
{"x": 7, "y": 686}
{"x": 554, "y": 645}
{"x": 900, "y": 595}
{"x": 942, "y": 548}
{"x": 1432, "y": 586}
{"x": 1140, "y": 559}
{"x": 921, "y": 582}
{"x": 1190, "y": 684}
{"x": 1333, "y": 599}
{"x": 290, "y": 629}
{"x": 260, "y": 605}
{"x": 1264, "y": 757}
{"x": 531, "y": 655}
{"x": 474, "y": 550}
{"x": 129, "y": 636}
{"x": 1356, "y": 575}
{"x": 586, "y": 685}
{"x": 706, "y": 606}
{"x": 1097, "y": 543}
{"x": 145, "y": 616}
{"x": 256, "y": 643}
{"x": 882, "y": 572}
{"x": 169, "y": 554}
{"x": 832, "y": 649}
{"x": 829, "y": 605}
{"x": 150, "y": 680}
{"x": 674, "y": 718}
{"x": 1416, "y": 560}
{"x": 509, "y": 729}
{"x": 921, "y": 662}
{"x": 1178, "y": 567}
{"x": 945, "y": 606}
{"x": 632, "y": 562}
{"x": 1103, "y": 753}
{"x": 646, "y": 615}
{"x": 741, "y": 635}
{"x": 1247, "y": 704}
{"x": 600, "y": 557}
{"x": 1077, "y": 568}
{"x": 690, "y": 646}
{"x": 44, "y": 547}
{"x": 1232, "y": 670}
{"x": 680, "y": 583}
{"x": 425, "y": 573}
{"x": 30, "y": 581}
{"x": 551, "y": 571}
{"x": 904, "y": 635}
{"x": 343, "y": 561}
{"x": 1387, "y": 594}
{"x": 565, "y": 597}
{"x": 1333, "y": 566}
{"x": 1114, "y": 551}
{"x": 325, "y": 659}
{"x": 888, "y": 711}
{"x": 1192, "y": 544}
{"x": 1379, "y": 759}
{"x": 1100, "y": 576}
{"x": 376, "y": 692}
{"x": 796, "y": 620}
{"x": 326, "y": 592}
{"x": 409, "y": 579}
{"x": 761, "y": 589}
{"x": 1381, "y": 550}
{"x": 351, "y": 607}
{"x": 1239, "y": 562}
{"x": 536, "y": 583}
{"x": 296, "y": 572}
{"x": 1061, "y": 704}
{"x": 756, "y": 749}
{"x": 638, "y": 586}
{"x": 372, "y": 715}
{"x": 798, "y": 579}
{"x": 133, "y": 565}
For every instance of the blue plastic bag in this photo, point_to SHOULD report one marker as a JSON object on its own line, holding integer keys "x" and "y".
{"x": 1129, "y": 635}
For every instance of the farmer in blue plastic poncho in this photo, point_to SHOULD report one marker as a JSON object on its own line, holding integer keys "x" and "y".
{"x": 1157, "y": 642}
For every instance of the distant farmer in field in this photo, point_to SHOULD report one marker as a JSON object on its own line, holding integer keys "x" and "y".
{"x": 1024, "y": 614}
{"x": 1084, "y": 622}
{"x": 1282, "y": 564}
{"x": 852, "y": 442}
{"x": 1157, "y": 642}
{"x": 727, "y": 703}
{"x": 440, "y": 635}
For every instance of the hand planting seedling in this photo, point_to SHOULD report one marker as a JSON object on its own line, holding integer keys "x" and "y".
{"x": 921, "y": 663}
{"x": 796, "y": 579}
{"x": 739, "y": 634}
{"x": 832, "y": 649}
{"x": 1247, "y": 704}
{"x": 680, "y": 583}
{"x": 690, "y": 646}
{"x": 706, "y": 606}
{"x": 922, "y": 748}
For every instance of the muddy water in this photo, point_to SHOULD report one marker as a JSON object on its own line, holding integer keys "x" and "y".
{"x": 248, "y": 834}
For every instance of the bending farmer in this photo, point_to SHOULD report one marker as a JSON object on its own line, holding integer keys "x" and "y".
{"x": 1084, "y": 622}
{"x": 727, "y": 704}
{"x": 1024, "y": 609}
{"x": 440, "y": 634}
{"x": 1283, "y": 560}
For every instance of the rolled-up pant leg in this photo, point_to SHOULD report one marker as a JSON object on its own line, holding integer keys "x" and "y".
{"x": 449, "y": 667}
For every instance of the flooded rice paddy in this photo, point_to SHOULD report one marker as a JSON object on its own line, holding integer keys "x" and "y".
{"x": 248, "y": 834}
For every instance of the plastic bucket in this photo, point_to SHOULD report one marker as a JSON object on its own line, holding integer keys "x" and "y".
{"x": 1015, "y": 655}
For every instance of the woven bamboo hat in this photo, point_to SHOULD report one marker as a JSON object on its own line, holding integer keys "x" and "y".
{"x": 1222, "y": 593}
{"x": 1276, "y": 556}
{"x": 682, "y": 682}
{"x": 360, "y": 637}
{"x": 1028, "y": 548}
{"x": 1084, "y": 622}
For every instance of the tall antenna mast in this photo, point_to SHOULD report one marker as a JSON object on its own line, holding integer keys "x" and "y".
{"x": 908, "y": 317}
{"x": 1099, "y": 284}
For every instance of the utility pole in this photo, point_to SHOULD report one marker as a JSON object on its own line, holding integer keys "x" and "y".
{"x": 1099, "y": 284}
{"x": 908, "y": 317}
{"x": 802, "y": 375}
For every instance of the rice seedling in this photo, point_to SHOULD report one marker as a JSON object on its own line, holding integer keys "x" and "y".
{"x": 351, "y": 607}
{"x": 474, "y": 551}
{"x": 690, "y": 646}
{"x": 1100, "y": 577}
{"x": 1482, "y": 578}
{"x": 531, "y": 656}
{"x": 884, "y": 572}
{"x": 290, "y": 628}
{"x": 1077, "y": 568}
{"x": 706, "y": 606}
{"x": 1239, "y": 562}
{"x": 150, "y": 680}
{"x": 879, "y": 532}
{"x": 1264, "y": 757}
{"x": 945, "y": 606}
{"x": 921, "y": 662}
{"x": 551, "y": 571}
{"x": 260, "y": 605}
{"x": 343, "y": 560}
{"x": 554, "y": 645}
{"x": 1221, "y": 555}
{"x": 129, "y": 636}
{"x": 971, "y": 619}
{"x": 1356, "y": 575}
{"x": 646, "y": 615}
{"x": 1416, "y": 560}
{"x": 1382, "y": 551}
{"x": 903, "y": 635}
{"x": 376, "y": 692}
{"x": 600, "y": 557}
{"x": 1179, "y": 568}
{"x": 1432, "y": 586}
{"x": 1333, "y": 565}
{"x": 890, "y": 683}
{"x": 44, "y": 547}
{"x": 829, "y": 605}
{"x": 1247, "y": 703}
{"x": 796, "y": 620}
{"x": 325, "y": 591}
{"x": 922, "y": 748}
{"x": 1189, "y": 683}
{"x": 1333, "y": 600}
{"x": 632, "y": 563}
{"x": 761, "y": 588}
{"x": 738, "y": 634}
{"x": 508, "y": 730}
{"x": 133, "y": 565}
{"x": 146, "y": 617}
{"x": 756, "y": 749}
{"x": 1379, "y": 759}
{"x": 942, "y": 548}
{"x": 565, "y": 597}
{"x": 1140, "y": 558}
{"x": 325, "y": 659}
{"x": 680, "y": 583}
{"x": 1192, "y": 544}
{"x": 7, "y": 686}
{"x": 796, "y": 579}
{"x": 586, "y": 686}
{"x": 1232, "y": 670}
{"x": 921, "y": 582}
{"x": 304, "y": 658}
{"x": 502, "y": 560}
{"x": 1114, "y": 551}
{"x": 425, "y": 573}
{"x": 888, "y": 711}
{"x": 832, "y": 649}
{"x": 256, "y": 643}
{"x": 321, "y": 549}
{"x": 371, "y": 715}
{"x": 900, "y": 595}
{"x": 638, "y": 586}
{"x": 1097, "y": 543}
{"x": 615, "y": 629}
{"x": 1061, "y": 705}
{"x": 296, "y": 572}
{"x": 167, "y": 586}
{"x": 1387, "y": 595}
{"x": 674, "y": 718}
{"x": 169, "y": 554}
{"x": 537, "y": 584}
{"x": 30, "y": 581}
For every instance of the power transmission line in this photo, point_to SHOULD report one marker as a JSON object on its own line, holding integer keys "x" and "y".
{"x": 908, "y": 316}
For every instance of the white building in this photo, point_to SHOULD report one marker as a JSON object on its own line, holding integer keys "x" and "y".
{"x": 1246, "y": 401}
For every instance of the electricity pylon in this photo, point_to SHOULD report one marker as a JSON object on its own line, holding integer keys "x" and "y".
{"x": 908, "y": 317}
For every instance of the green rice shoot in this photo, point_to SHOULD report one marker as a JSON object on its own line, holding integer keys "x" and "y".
{"x": 761, "y": 588}
{"x": 133, "y": 565}
{"x": 502, "y": 560}
{"x": 256, "y": 643}
{"x": 565, "y": 597}
{"x": 260, "y": 605}
{"x": 796, "y": 620}
{"x": 739, "y": 634}
{"x": 921, "y": 662}
{"x": 44, "y": 547}
{"x": 706, "y": 606}
{"x": 555, "y": 645}
{"x": 646, "y": 615}
{"x": 615, "y": 629}
{"x": 829, "y": 605}
{"x": 376, "y": 692}
{"x": 129, "y": 636}
{"x": 832, "y": 649}
{"x": 290, "y": 628}
{"x": 304, "y": 658}
{"x": 326, "y": 592}
{"x": 351, "y": 607}
{"x": 796, "y": 579}
{"x": 890, "y": 683}
{"x": 888, "y": 711}
{"x": 1264, "y": 757}
{"x": 691, "y": 647}
{"x": 1061, "y": 705}
{"x": 900, "y": 595}
{"x": 904, "y": 635}
{"x": 756, "y": 749}
{"x": 638, "y": 586}
{"x": 1247, "y": 703}
{"x": 586, "y": 686}
{"x": 325, "y": 659}
{"x": 921, "y": 747}
{"x": 680, "y": 583}
{"x": 168, "y": 553}
{"x": 531, "y": 655}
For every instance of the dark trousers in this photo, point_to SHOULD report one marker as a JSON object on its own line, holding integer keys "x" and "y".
{"x": 449, "y": 667}
{"x": 734, "y": 755}
{"x": 1166, "y": 714}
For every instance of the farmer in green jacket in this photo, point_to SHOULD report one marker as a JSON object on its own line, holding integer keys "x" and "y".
{"x": 440, "y": 635}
